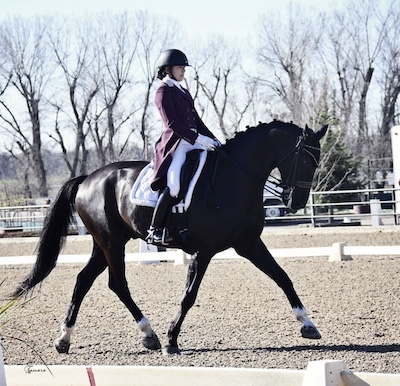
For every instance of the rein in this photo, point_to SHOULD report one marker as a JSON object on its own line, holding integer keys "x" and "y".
{"x": 241, "y": 167}
{"x": 291, "y": 181}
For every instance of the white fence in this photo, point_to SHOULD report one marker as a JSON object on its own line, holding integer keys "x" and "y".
{"x": 23, "y": 218}
{"x": 371, "y": 206}
{"x": 28, "y": 218}
{"x": 336, "y": 252}
{"x": 317, "y": 373}
{"x": 356, "y": 205}
{"x": 350, "y": 207}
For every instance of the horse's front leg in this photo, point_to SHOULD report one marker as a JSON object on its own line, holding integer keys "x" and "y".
{"x": 118, "y": 284}
{"x": 196, "y": 272}
{"x": 258, "y": 254}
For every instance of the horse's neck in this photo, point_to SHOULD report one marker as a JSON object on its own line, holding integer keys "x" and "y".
{"x": 255, "y": 158}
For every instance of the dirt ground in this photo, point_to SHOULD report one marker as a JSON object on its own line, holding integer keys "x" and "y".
{"x": 240, "y": 319}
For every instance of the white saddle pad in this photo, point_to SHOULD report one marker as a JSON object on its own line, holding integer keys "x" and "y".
{"x": 143, "y": 195}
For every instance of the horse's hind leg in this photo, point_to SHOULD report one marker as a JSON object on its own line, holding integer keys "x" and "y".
{"x": 258, "y": 254}
{"x": 95, "y": 266}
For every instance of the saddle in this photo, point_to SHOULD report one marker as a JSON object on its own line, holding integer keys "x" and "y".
{"x": 143, "y": 195}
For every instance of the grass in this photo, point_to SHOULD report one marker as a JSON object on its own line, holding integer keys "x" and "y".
{"x": 9, "y": 310}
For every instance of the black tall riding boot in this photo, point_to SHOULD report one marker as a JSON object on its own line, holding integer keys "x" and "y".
{"x": 158, "y": 233}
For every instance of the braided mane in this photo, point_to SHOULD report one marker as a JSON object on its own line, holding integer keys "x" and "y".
{"x": 278, "y": 125}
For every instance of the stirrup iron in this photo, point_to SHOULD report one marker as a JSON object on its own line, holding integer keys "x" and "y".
{"x": 159, "y": 239}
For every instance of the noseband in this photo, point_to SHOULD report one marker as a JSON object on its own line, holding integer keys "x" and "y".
{"x": 292, "y": 181}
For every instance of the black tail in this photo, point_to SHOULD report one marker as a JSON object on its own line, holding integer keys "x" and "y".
{"x": 52, "y": 236}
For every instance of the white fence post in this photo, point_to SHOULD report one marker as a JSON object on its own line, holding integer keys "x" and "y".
{"x": 144, "y": 247}
{"x": 395, "y": 136}
{"x": 337, "y": 253}
{"x": 376, "y": 211}
{"x": 147, "y": 248}
{"x": 182, "y": 258}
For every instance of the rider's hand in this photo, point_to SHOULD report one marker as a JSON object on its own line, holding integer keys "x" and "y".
{"x": 217, "y": 142}
{"x": 207, "y": 142}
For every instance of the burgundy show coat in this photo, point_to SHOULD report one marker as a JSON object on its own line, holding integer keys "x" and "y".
{"x": 181, "y": 121}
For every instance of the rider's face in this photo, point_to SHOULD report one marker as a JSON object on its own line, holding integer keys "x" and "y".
{"x": 178, "y": 72}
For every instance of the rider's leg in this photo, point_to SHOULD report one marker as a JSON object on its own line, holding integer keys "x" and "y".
{"x": 158, "y": 233}
{"x": 174, "y": 170}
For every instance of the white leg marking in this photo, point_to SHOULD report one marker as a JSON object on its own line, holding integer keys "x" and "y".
{"x": 301, "y": 316}
{"x": 66, "y": 333}
{"x": 144, "y": 326}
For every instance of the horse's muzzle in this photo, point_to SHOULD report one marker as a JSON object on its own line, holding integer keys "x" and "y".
{"x": 295, "y": 198}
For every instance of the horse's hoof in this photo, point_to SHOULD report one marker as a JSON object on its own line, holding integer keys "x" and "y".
{"x": 151, "y": 342}
{"x": 171, "y": 350}
{"x": 310, "y": 332}
{"x": 61, "y": 346}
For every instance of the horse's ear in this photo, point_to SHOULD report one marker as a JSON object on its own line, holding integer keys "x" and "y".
{"x": 322, "y": 131}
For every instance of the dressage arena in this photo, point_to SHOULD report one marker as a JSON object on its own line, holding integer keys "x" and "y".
{"x": 240, "y": 319}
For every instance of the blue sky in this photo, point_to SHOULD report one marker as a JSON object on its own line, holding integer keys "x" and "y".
{"x": 230, "y": 19}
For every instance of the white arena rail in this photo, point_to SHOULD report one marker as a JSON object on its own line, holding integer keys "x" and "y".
{"x": 336, "y": 252}
{"x": 318, "y": 373}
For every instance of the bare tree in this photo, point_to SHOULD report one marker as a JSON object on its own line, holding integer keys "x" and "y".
{"x": 156, "y": 34}
{"x": 117, "y": 42}
{"x": 363, "y": 40}
{"x": 356, "y": 36}
{"x": 389, "y": 85}
{"x": 76, "y": 55}
{"x": 287, "y": 53}
{"x": 339, "y": 58}
{"x": 390, "y": 68}
{"x": 221, "y": 89}
{"x": 25, "y": 64}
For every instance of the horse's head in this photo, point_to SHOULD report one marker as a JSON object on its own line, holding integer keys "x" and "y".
{"x": 298, "y": 167}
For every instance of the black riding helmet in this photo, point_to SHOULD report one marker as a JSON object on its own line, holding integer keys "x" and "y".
{"x": 172, "y": 58}
{"x": 169, "y": 58}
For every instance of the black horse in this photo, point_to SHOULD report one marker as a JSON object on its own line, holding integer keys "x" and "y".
{"x": 226, "y": 211}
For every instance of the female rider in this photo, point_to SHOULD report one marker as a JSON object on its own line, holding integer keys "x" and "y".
{"x": 183, "y": 131}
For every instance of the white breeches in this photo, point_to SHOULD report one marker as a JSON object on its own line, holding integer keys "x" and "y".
{"x": 174, "y": 171}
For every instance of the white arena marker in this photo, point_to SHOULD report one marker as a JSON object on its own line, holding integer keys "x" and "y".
{"x": 350, "y": 379}
{"x": 330, "y": 373}
{"x": 337, "y": 253}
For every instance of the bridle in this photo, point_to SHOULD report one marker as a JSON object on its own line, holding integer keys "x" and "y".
{"x": 292, "y": 181}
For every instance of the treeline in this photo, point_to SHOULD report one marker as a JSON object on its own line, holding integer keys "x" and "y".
{"x": 82, "y": 89}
